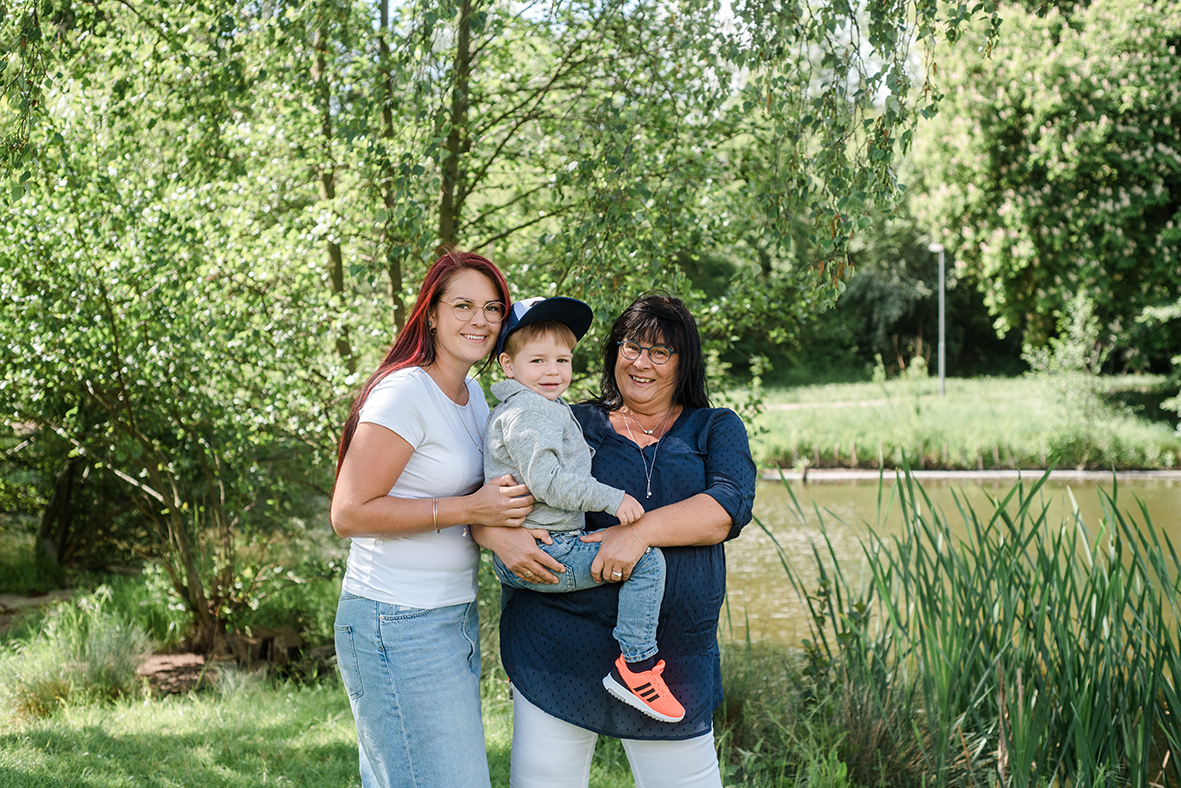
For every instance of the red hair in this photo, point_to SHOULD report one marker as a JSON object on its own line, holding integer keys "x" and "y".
{"x": 415, "y": 346}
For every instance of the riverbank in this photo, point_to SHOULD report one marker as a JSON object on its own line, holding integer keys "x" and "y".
{"x": 980, "y": 424}
{"x": 821, "y": 475}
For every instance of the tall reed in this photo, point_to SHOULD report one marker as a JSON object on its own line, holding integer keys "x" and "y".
{"x": 1023, "y": 651}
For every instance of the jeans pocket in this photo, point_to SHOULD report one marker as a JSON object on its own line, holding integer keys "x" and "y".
{"x": 346, "y": 661}
{"x": 388, "y": 612}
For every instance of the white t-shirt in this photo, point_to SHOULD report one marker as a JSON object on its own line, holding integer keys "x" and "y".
{"x": 425, "y": 570}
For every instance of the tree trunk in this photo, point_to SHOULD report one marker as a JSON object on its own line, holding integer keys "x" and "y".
{"x": 54, "y": 533}
{"x": 458, "y": 142}
{"x": 328, "y": 181}
{"x": 394, "y": 262}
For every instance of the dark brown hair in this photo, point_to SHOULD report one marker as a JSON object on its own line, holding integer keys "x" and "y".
{"x": 657, "y": 317}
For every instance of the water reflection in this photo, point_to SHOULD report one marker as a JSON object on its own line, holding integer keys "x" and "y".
{"x": 762, "y": 602}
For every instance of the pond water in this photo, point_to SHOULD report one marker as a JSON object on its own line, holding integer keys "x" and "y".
{"x": 760, "y": 599}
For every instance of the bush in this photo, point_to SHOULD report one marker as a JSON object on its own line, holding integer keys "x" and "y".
{"x": 85, "y": 651}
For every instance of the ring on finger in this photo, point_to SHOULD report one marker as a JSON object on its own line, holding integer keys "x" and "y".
{"x": 617, "y": 574}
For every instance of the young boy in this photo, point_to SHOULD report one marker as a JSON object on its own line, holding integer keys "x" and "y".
{"x": 533, "y": 435}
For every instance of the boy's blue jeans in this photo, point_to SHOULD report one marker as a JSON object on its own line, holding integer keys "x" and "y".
{"x": 639, "y": 597}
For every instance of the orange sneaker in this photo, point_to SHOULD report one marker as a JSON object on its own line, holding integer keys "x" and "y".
{"x": 645, "y": 691}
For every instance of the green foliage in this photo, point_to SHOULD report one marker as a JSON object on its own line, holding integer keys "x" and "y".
{"x": 23, "y": 570}
{"x": 85, "y": 651}
{"x": 1068, "y": 368}
{"x": 149, "y": 336}
{"x": 890, "y": 307}
{"x": 1153, "y": 317}
{"x": 309, "y": 607}
{"x": 1036, "y": 649}
{"x": 1054, "y": 164}
{"x": 760, "y": 722}
{"x": 149, "y": 599}
{"x": 218, "y": 211}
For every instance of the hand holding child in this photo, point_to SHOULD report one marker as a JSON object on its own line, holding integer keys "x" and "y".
{"x": 629, "y": 511}
{"x": 541, "y": 535}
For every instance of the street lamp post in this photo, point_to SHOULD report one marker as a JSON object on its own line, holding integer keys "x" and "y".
{"x": 937, "y": 248}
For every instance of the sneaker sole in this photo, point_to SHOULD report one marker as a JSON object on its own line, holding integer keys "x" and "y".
{"x": 624, "y": 694}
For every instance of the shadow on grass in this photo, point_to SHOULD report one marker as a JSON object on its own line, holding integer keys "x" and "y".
{"x": 292, "y": 738}
{"x": 1146, "y": 403}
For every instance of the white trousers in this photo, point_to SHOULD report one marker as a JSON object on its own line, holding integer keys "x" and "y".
{"x": 552, "y": 753}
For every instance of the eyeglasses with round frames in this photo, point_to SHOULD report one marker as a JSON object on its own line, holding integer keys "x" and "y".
{"x": 657, "y": 354}
{"x": 464, "y": 310}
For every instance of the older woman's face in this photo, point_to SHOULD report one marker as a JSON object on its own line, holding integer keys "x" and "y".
{"x": 644, "y": 386}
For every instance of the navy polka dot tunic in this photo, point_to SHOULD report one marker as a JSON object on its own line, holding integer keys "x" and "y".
{"x": 557, "y": 648}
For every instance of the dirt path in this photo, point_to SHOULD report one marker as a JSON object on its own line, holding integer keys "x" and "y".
{"x": 165, "y": 673}
{"x": 12, "y": 605}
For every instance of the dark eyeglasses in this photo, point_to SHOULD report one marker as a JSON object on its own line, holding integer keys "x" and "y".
{"x": 464, "y": 310}
{"x": 658, "y": 354}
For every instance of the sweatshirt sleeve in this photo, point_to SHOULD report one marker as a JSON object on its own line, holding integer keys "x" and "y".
{"x": 531, "y": 440}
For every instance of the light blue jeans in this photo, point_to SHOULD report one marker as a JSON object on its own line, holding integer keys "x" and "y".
{"x": 639, "y": 597}
{"x": 413, "y": 681}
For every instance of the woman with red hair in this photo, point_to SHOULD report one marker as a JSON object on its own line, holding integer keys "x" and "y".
{"x": 410, "y": 480}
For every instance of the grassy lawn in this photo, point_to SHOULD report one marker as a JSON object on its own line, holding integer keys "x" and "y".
{"x": 250, "y": 735}
{"x": 255, "y": 736}
{"x": 980, "y": 423}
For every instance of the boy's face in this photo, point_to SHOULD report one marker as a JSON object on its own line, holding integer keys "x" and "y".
{"x": 542, "y": 365}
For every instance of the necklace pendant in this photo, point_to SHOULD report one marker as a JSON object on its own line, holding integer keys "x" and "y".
{"x": 649, "y": 495}
{"x": 649, "y": 432}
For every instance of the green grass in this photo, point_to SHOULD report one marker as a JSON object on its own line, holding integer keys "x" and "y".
{"x": 21, "y": 571}
{"x": 258, "y": 733}
{"x": 82, "y": 651}
{"x": 290, "y": 735}
{"x": 981, "y": 423}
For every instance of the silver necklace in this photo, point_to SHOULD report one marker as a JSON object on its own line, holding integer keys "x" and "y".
{"x": 641, "y": 426}
{"x": 478, "y": 444}
{"x": 648, "y": 471}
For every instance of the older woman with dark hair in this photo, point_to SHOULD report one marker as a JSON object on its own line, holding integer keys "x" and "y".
{"x": 655, "y": 436}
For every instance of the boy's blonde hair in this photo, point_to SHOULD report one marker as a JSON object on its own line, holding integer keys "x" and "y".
{"x": 526, "y": 334}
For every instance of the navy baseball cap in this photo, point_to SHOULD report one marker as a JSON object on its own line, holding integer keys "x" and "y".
{"x": 571, "y": 312}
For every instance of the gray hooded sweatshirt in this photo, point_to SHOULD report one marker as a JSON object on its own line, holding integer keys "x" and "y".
{"x": 540, "y": 443}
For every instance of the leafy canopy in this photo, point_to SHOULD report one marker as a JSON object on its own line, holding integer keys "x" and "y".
{"x": 1054, "y": 168}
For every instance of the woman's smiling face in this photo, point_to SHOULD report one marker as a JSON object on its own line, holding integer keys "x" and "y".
{"x": 465, "y": 342}
{"x": 644, "y": 386}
